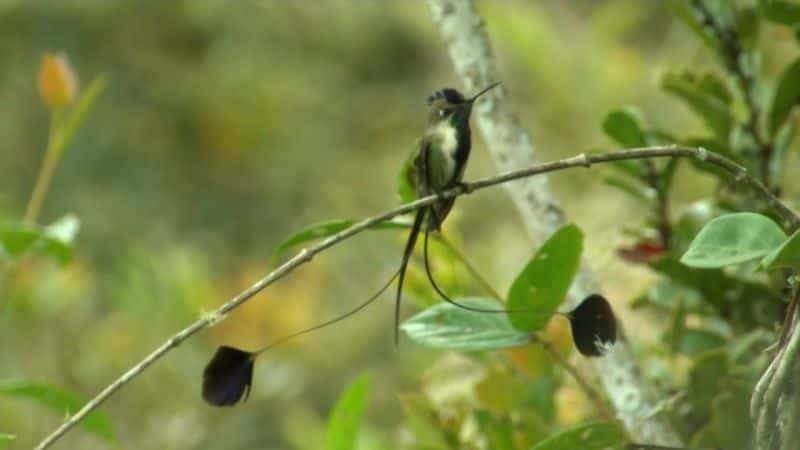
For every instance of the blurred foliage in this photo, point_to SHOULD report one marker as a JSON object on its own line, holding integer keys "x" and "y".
{"x": 225, "y": 128}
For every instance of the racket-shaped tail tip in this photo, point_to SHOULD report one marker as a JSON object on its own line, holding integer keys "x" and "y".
{"x": 594, "y": 326}
{"x": 228, "y": 376}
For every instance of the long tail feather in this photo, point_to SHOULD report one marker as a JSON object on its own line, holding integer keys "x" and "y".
{"x": 410, "y": 243}
{"x": 334, "y": 320}
{"x": 447, "y": 298}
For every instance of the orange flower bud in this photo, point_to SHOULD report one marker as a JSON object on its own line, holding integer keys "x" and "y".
{"x": 58, "y": 83}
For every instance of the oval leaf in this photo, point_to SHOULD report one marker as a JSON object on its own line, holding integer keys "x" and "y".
{"x": 6, "y": 439}
{"x": 331, "y": 227}
{"x": 594, "y": 436}
{"x": 545, "y": 280}
{"x": 623, "y": 126}
{"x": 61, "y": 400}
{"x": 787, "y": 94}
{"x": 446, "y": 326}
{"x": 733, "y": 239}
{"x": 787, "y": 255}
{"x": 54, "y": 240}
{"x": 346, "y": 415}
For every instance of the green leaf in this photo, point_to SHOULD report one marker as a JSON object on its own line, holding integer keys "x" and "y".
{"x": 686, "y": 14}
{"x": 406, "y": 180}
{"x": 65, "y": 402}
{"x": 594, "y": 436}
{"x": 787, "y": 94}
{"x": 331, "y": 227}
{"x": 712, "y": 84}
{"x": 730, "y": 417}
{"x": 783, "y": 142}
{"x": 16, "y": 239}
{"x": 714, "y": 112}
{"x": 623, "y": 126}
{"x": 499, "y": 431}
{"x": 748, "y": 26}
{"x": 54, "y": 240}
{"x": 446, "y": 326}
{"x": 787, "y": 255}
{"x": 694, "y": 341}
{"x": 346, "y": 415}
{"x": 6, "y": 439}
{"x": 704, "y": 380}
{"x": 779, "y": 11}
{"x": 542, "y": 285}
{"x": 733, "y": 239}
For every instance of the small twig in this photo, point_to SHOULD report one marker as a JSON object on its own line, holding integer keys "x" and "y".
{"x": 602, "y": 407}
{"x": 732, "y": 48}
{"x": 470, "y": 268}
{"x": 305, "y": 255}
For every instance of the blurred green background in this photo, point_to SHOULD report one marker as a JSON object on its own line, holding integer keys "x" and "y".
{"x": 226, "y": 126}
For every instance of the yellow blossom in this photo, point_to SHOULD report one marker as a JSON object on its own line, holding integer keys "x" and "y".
{"x": 58, "y": 84}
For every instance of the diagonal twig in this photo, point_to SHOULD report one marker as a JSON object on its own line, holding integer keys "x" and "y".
{"x": 306, "y": 254}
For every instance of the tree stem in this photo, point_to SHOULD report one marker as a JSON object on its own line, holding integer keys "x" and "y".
{"x": 305, "y": 255}
{"x": 49, "y": 163}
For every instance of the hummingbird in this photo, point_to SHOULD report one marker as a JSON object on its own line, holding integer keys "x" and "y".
{"x": 438, "y": 164}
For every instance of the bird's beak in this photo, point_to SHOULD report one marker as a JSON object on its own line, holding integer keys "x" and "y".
{"x": 475, "y": 97}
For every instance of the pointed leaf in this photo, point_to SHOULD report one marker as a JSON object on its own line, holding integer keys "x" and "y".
{"x": 542, "y": 285}
{"x": 331, "y": 227}
{"x": 787, "y": 95}
{"x": 688, "y": 15}
{"x": 61, "y": 400}
{"x": 594, "y": 436}
{"x": 446, "y": 326}
{"x": 624, "y": 126}
{"x": 783, "y": 141}
{"x": 733, "y": 239}
{"x": 714, "y": 112}
{"x": 786, "y": 255}
{"x": 781, "y": 11}
{"x": 346, "y": 415}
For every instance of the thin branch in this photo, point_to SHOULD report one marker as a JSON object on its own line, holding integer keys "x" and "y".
{"x": 306, "y": 254}
{"x": 731, "y": 46}
{"x": 595, "y": 397}
{"x": 45, "y": 176}
{"x": 476, "y": 275}
{"x": 601, "y": 405}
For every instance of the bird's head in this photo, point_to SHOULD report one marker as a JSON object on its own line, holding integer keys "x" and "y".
{"x": 449, "y": 104}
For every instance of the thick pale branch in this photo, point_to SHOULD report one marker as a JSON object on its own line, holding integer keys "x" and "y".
{"x": 510, "y": 144}
{"x": 306, "y": 254}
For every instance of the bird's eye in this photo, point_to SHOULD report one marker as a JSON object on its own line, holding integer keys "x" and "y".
{"x": 443, "y": 112}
